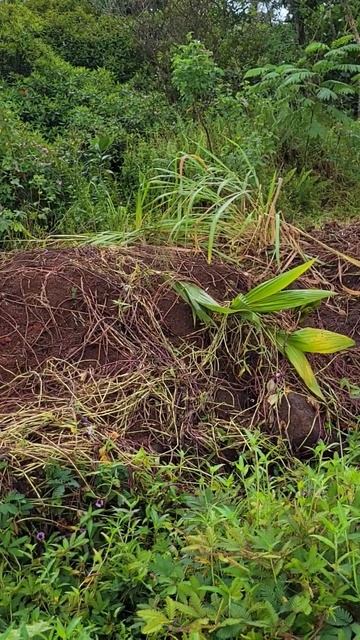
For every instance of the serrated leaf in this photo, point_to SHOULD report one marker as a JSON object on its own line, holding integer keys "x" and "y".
{"x": 309, "y": 340}
{"x": 303, "y": 368}
{"x": 187, "y": 610}
{"x": 154, "y": 620}
{"x": 280, "y": 282}
{"x": 301, "y": 604}
{"x": 226, "y": 633}
{"x": 170, "y": 608}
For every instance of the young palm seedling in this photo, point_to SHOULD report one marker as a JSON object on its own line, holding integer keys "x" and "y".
{"x": 273, "y": 297}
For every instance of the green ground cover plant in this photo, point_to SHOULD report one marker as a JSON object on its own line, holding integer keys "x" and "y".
{"x": 264, "y": 550}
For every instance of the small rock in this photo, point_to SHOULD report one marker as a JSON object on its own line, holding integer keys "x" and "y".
{"x": 300, "y": 422}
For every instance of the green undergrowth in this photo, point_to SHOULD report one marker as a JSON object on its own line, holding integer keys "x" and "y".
{"x": 264, "y": 548}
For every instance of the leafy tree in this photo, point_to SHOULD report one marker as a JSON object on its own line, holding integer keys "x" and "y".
{"x": 317, "y": 91}
{"x": 197, "y": 78}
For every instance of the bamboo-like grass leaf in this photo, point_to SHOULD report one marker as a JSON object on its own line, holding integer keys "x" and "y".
{"x": 275, "y": 285}
{"x": 289, "y": 300}
{"x": 303, "y": 367}
{"x": 311, "y": 340}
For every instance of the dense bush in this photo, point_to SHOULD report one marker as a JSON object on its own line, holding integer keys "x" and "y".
{"x": 268, "y": 550}
{"x": 62, "y": 72}
{"x": 87, "y": 39}
{"x": 20, "y": 39}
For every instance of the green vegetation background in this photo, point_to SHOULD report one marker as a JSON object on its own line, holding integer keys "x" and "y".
{"x": 98, "y": 100}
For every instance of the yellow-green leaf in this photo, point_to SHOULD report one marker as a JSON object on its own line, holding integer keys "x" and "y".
{"x": 311, "y": 340}
{"x": 303, "y": 368}
{"x": 154, "y": 620}
{"x": 280, "y": 282}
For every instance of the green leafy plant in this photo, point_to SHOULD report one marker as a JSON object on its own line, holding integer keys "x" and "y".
{"x": 270, "y": 297}
{"x": 318, "y": 83}
{"x": 196, "y": 77}
{"x": 314, "y": 96}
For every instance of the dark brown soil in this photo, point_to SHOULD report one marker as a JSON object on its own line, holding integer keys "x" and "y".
{"x": 49, "y": 301}
{"x": 99, "y": 339}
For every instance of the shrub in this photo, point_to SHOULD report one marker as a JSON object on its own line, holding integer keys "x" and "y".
{"x": 84, "y": 38}
{"x": 56, "y": 94}
{"x": 20, "y": 41}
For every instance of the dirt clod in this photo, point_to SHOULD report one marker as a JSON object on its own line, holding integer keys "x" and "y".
{"x": 300, "y": 422}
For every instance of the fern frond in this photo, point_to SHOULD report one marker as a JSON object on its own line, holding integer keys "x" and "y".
{"x": 259, "y": 72}
{"x": 297, "y": 78}
{"x": 340, "y": 88}
{"x": 347, "y": 67}
{"x": 271, "y": 76}
{"x": 326, "y": 95}
{"x": 316, "y": 47}
{"x": 323, "y": 66}
{"x": 340, "y": 42}
{"x": 349, "y": 48}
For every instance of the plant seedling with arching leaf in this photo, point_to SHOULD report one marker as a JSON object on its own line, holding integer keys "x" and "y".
{"x": 273, "y": 297}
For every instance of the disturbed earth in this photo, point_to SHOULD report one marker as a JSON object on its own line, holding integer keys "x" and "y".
{"x": 99, "y": 355}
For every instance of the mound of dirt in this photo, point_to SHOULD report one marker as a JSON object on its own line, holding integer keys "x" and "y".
{"x": 74, "y": 305}
{"x": 99, "y": 355}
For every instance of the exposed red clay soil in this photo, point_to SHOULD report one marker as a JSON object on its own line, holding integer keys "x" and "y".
{"x": 72, "y": 318}
{"x": 63, "y": 303}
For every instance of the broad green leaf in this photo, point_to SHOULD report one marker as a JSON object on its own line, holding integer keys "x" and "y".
{"x": 199, "y": 296}
{"x": 31, "y": 630}
{"x": 154, "y": 620}
{"x": 311, "y": 340}
{"x": 280, "y": 282}
{"x": 303, "y": 368}
{"x": 289, "y": 300}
